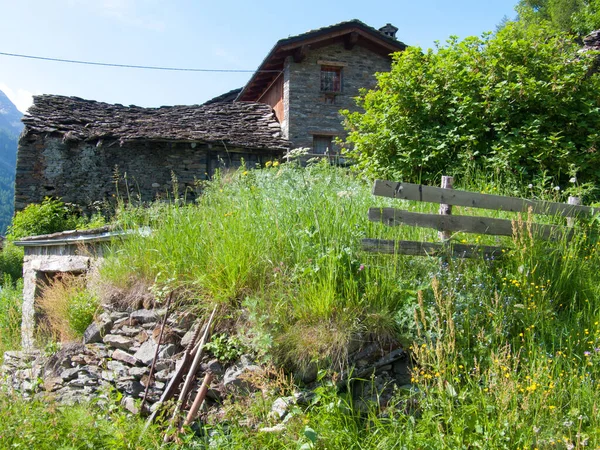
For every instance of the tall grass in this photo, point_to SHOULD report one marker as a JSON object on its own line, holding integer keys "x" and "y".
{"x": 506, "y": 351}
{"x": 11, "y": 296}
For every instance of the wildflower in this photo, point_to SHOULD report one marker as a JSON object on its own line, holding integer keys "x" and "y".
{"x": 276, "y": 164}
{"x": 556, "y": 188}
{"x": 573, "y": 180}
{"x": 530, "y": 186}
{"x": 361, "y": 267}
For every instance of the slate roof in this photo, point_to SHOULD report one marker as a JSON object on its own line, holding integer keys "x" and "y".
{"x": 273, "y": 62}
{"x": 243, "y": 124}
{"x": 226, "y": 97}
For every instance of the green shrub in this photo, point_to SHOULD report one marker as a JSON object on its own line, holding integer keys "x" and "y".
{"x": 11, "y": 262}
{"x": 50, "y": 216}
{"x": 517, "y": 104}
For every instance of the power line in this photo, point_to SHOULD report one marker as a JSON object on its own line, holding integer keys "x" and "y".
{"x": 131, "y": 66}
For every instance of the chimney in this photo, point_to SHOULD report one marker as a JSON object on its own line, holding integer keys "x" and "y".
{"x": 389, "y": 30}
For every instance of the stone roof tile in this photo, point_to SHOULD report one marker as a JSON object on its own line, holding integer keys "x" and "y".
{"x": 242, "y": 124}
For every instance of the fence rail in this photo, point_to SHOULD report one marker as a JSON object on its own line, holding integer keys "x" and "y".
{"x": 446, "y": 223}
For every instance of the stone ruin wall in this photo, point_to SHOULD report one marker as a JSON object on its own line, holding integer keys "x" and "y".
{"x": 118, "y": 349}
{"x": 85, "y": 172}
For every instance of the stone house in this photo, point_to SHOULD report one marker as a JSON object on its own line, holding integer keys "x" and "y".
{"x": 73, "y": 148}
{"x": 309, "y": 78}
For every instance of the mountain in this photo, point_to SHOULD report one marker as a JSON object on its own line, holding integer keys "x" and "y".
{"x": 10, "y": 128}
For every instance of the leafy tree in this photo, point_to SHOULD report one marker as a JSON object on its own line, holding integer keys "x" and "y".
{"x": 519, "y": 103}
{"x": 587, "y": 19}
{"x": 557, "y": 13}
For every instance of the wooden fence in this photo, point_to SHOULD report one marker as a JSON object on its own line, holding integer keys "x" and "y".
{"x": 446, "y": 223}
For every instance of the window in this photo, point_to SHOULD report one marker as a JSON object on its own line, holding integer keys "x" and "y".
{"x": 323, "y": 145}
{"x": 331, "y": 79}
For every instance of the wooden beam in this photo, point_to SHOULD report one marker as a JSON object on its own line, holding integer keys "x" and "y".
{"x": 464, "y": 224}
{"x": 300, "y": 54}
{"x": 371, "y": 37}
{"x": 432, "y": 194}
{"x": 350, "y": 40}
{"x": 415, "y": 248}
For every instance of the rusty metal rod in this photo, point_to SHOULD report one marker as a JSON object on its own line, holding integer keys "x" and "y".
{"x": 160, "y": 335}
{"x": 200, "y": 396}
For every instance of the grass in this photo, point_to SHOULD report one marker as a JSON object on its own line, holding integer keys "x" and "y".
{"x": 11, "y": 295}
{"x": 507, "y": 351}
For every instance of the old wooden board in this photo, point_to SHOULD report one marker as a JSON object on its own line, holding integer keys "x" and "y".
{"x": 414, "y": 248}
{"x": 431, "y": 194}
{"x": 464, "y": 224}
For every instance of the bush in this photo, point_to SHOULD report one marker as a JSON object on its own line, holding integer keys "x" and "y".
{"x": 50, "y": 216}
{"x": 11, "y": 263}
{"x": 519, "y": 103}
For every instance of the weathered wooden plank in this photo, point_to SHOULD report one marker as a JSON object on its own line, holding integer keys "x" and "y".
{"x": 432, "y": 194}
{"x": 415, "y": 248}
{"x": 464, "y": 224}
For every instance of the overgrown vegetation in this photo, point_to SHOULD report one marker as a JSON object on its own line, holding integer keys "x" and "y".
{"x": 67, "y": 308}
{"x": 519, "y": 104}
{"x": 507, "y": 351}
{"x": 35, "y": 424}
{"x": 10, "y": 315}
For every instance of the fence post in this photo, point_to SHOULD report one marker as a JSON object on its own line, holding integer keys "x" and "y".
{"x": 573, "y": 201}
{"x": 445, "y": 209}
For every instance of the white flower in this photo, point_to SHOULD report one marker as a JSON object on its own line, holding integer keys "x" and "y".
{"x": 530, "y": 186}
{"x": 557, "y": 188}
{"x": 573, "y": 180}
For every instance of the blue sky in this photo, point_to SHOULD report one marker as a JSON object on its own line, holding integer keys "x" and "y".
{"x": 222, "y": 34}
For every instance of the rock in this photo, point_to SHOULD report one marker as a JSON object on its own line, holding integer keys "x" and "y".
{"x": 126, "y": 330}
{"x": 308, "y": 374}
{"x": 97, "y": 329}
{"x": 69, "y": 374}
{"x": 118, "y": 341}
{"x": 130, "y": 387}
{"x": 166, "y": 351}
{"x": 138, "y": 372}
{"x": 129, "y": 404}
{"x": 125, "y": 357}
{"x": 119, "y": 369}
{"x": 164, "y": 375}
{"x": 281, "y": 407}
{"x": 147, "y": 315}
{"x": 52, "y": 384}
{"x": 213, "y": 366}
{"x": 118, "y": 315}
{"x": 187, "y": 337}
{"x": 145, "y": 353}
{"x": 234, "y": 377}
{"x": 166, "y": 364}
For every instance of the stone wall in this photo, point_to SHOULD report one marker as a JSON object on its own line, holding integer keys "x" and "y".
{"x": 307, "y": 112}
{"x": 84, "y": 172}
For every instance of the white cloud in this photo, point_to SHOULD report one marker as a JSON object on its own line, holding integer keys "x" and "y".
{"x": 21, "y": 98}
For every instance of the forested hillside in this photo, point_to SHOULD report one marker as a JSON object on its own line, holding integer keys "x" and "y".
{"x": 10, "y": 128}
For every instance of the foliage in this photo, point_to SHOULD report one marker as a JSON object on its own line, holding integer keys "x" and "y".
{"x": 67, "y": 307}
{"x": 507, "y": 352}
{"x": 11, "y": 262}
{"x": 226, "y": 348}
{"x": 573, "y": 16}
{"x": 587, "y": 19}
{"x": 10, "y": 315}
{"x": 36, "y": 424}
{"x": 518, "y": 104}
{"x": 50, "y": 216}
{"x": 283, "y": 241}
